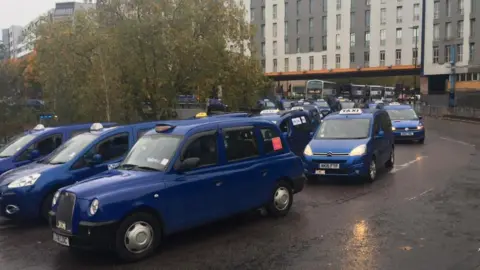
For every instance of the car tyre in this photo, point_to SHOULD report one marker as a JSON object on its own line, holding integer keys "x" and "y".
{"x": 142, "y": 227}
{"x": 46, "y": 206}
{"x": 281, "y": 200}
{"x": 372, "y": 171}
{"x": 391, "y": 162}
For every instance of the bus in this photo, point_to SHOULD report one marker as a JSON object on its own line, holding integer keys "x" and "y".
{"x": 356, "y": 92}
{"x": 376, "y": 92}
{"x": 318, "y": 89}
{"x": 389, "y": 94}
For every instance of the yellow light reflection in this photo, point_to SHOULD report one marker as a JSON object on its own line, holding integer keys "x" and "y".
{"x": 359, "y": 249}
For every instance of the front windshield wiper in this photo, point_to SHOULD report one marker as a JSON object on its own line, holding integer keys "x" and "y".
{"x": 147, "y": 168}
{"x": 133, "y": 167}
{"x": 4, "y": 156}
{"x": 54, "y": 163}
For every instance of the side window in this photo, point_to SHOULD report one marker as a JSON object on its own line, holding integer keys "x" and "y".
{"x": 284, "y": 127}
{"x": 271, "y": 140}
{"x": 204, "y": 148}
{"x": 240, "y": 143}
{"x": 44, "y": 146}
{"x": 78, "y": 132}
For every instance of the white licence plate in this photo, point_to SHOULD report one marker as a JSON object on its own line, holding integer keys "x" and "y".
{"x": 329, "y": 166}
{"x": 406, "y": 133}
{"x": 62, "y": 240}
{"x": 320, "y": 172}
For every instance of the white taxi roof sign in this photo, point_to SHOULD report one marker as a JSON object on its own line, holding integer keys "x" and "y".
{"x": 96, "y": 127}
{"x": 271, "y": 111}
{"x": 39, "y": 127}
{"x": 351, "y": 111}
{"x": 297, "y": 108}
{"x": 394, "y": 103}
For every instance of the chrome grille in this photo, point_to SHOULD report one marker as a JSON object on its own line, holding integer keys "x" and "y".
{"x": 65, "y": 207}
{"x": 404, "y": 128}
{"x": 330, "y": 154}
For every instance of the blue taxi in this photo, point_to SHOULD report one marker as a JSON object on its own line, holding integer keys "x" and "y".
{"x": 181, "y": 175}
{"x": 406, "y": 124}
{"x": 37, "y": 143}
{"x": 27, "y": 192}
{"x": 353, "y": 142}
{"x": 296, "y": 125}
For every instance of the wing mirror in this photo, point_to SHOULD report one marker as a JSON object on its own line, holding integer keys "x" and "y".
{"x": 189, "y": 164}
{"x": 380, "y": 134}
{"x": 420, "y": 117}
{"x": 34, "y": 154}
{"x": 96, "y": 159}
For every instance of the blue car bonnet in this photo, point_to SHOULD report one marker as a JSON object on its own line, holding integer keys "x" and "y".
{"x": 405, "y": 123}
{"x": 335, "y": 146}
{"x": 27, "y": 170}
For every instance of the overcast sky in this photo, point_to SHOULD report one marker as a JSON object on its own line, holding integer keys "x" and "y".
{"x": 21, "y": 12}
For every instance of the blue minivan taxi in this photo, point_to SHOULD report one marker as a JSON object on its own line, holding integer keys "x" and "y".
{"x": 27, "y": 192}
{"x": 315, "y": 115}
{"x": 352, "y": 143}
{"x": 37, "y": 143}
{"x": 295, "y": 125}
{"x": 406, "y": 124}
{"x": 181, "y": 175}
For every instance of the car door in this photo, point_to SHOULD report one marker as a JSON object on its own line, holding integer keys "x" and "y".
{"x": 286, "y": 127}
{"x": 388, "y": 135}
{"x": 378, "y": 142}
{"x": 196, "y": 196}
{"x": 113, "y": 150}
{"x": 302, "y": 127}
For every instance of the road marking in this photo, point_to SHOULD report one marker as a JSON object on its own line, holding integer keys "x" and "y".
{"x": 420, "y": 195}
{"x": 405, "y": 165}
{"x": 457, "y": 141}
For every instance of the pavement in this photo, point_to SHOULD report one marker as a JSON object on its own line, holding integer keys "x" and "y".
{"x": 421, "y": 215}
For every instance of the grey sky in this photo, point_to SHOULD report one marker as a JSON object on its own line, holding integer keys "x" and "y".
{"x": 21, "y": 12}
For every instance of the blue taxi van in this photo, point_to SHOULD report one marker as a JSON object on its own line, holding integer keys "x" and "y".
{"x": 37, "y": 143}
{"x": 295, "y": 125}
{"x": 406, "y": 124}
{"x": 353, "y": 142}
{"x": 181, "y": 175}
{"x": 315, "y": 115}
{"x": 27, "y": 192}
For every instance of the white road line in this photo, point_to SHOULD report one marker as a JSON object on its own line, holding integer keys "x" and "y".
{"x": 457, "y": 141}
{"x": 405, "y": 165}
{"x": 420, "y": 195}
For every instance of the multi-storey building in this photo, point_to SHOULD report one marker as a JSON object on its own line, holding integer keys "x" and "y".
{"x": 11, "y": 37}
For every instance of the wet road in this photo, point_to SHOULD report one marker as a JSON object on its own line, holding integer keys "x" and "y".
{"x": 422, "y": 215}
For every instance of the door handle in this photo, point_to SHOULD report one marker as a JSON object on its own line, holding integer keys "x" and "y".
{"x": 264, "y": 173}
{"x": 218, "y": 183}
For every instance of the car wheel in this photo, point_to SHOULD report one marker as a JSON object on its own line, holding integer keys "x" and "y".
{"x": 46, "y": 206}
{"x": 372, "y": 171}
{"x": 137, "y": 237}
{"x": 281, "y": 200}
{"x": 391, "y": 162}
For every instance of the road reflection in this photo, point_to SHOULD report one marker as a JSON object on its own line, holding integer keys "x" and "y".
{"x": 359, "y": 248}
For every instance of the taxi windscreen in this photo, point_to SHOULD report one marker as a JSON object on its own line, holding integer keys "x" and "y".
{"x": 402, "y": 114}
{"x": 151, "y": 152}
{"x": 347, "y": 105}
{"x": 16, "y": 145}
{"x": 321, "y": 104}
{"x": 344, "y": 129}
{"x": 270, "y": 105}
{"x": 69, "y": 149}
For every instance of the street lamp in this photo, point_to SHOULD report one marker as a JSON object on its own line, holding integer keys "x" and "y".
{"x": 415, "y": 32}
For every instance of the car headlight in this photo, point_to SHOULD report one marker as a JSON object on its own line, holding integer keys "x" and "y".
{"x": 25, "y": 181}
{"x": 94, "y": 207}
{"x": 55, "y": 198}
{"x": 420, "y": 126}
{"x": 393, "y": 129}
{"x": 359, "y": 150}
{"x": 308, "y": 151}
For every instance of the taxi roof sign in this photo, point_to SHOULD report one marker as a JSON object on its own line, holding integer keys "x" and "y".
{"x": 272, "y": 111}
{"x": 96, "y": 127}
{"x": 395, "y": 103}
{"x": 351, "y": 111}
{"x": 297, "y": 108}
{"x": 39, "y": 127}
{"x": 201, "y": 115}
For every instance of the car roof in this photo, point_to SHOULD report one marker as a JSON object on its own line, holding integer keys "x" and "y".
{"x": 48, "y": 130}
{"x": 137, "y": 126}
{"x": 397, "y": 107}
{"x": 366, "y": 114}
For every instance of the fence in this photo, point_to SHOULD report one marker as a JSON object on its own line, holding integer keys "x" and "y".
{"x": 446, "y": 112}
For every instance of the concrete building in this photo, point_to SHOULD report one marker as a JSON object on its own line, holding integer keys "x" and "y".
{"x": 12, "y": 37}
{"x": 65, "y": 10}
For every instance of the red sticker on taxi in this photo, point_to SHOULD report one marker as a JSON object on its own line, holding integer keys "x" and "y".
{"x": 277, "y": 143}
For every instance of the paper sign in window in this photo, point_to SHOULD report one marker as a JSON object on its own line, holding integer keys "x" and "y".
{"x": 277, "y": 144}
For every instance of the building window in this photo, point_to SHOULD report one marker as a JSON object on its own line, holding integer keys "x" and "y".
{"x": 398, "y": 57}
{"x": 324, "y": 5}
{"x": 471, "y": 52}
{"x": 298, "y": 27}
{"x": 415, "y": 37}
{"x": 367, "y": 39}
{"x": 352, "y": 57}
{"x": 460, "y": 29}
{"x": 310, "y": 25}
{"x": 448, "y": 30}
{"x": 367, "y": 18}
{"x": 324, "y": 62}
{"x": 286, "y": 29}
{"x": 383, "y": 37}
{"x": 382, "y": 58}
{"x": 472, "y": 27}
{"x": 311, "y": 62}
{"x": 275, "y": 67}
{"x": 262, "y": 30}
{"x": 274, "y": 48}
{"x": 324, "y": 43}
{"x": 367, "y": 2}
{"x": 448, "y": 8}
{"x": 310, "y": 5}
{"x": 298, "y": 7}
{"x": 274, "y": 30}
{"x": 352, "y": 40}
{"x": 337, "y": 61}
{"x": 263, "y": 65}
{"x": 324, "y": 24}
{"x": 436, "y": 54}
{"x": 311, "y": 44}
{"x": 287, "y": 65}
{"x": 383, "y": 16}
{"x": 337, "y": 42}
{"x": 299, "y": 63}
{"x": 252, "y": 14}
{"x": 366, "y": 59}
{"x": 274, "y": 12}
{"x": 352, "y": 19}
{"x": 436, "y": 9}
{"x": 415, "y": 56}
{"x": 399, "y": 15}
{"x": 460, "y": 53}
{"x": 263, "y": 13}
{"x": 263, "y": 49}
{"x": 460, "y": 7}
{"x": 339, "y": 4}
{"x": 287, "y": 47}
{"x": 447, "y": 54}
{"x": 298, "y": 45}
{"x": 399, "y": 36}
{"x": 286, "y": 9}
{"x": 339, "y": 22}
{"x": 436, "y": 32}
{"x": 416, "y": 12}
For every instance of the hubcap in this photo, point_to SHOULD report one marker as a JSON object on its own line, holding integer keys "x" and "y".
{"x": 138, "y": 237}
{"x": 392, "y": 157}
{"x": 373, "y": 169}
{"x": 281, "y": 199}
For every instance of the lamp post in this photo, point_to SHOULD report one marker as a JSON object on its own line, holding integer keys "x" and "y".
{"x": 415, "y": 31}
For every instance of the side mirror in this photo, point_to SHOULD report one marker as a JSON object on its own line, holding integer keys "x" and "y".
{"x": 189, "y": 164}
{"x": 380, "y": 134}
{"x": 96, "y": 159}
{"x": 34, "y": 154}
{"x": 420, "y": 117}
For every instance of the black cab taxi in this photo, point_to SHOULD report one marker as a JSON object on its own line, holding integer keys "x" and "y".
{"x": 181, "y": 175}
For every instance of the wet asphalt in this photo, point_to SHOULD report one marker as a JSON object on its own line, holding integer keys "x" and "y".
{"x": 423, "y": 215}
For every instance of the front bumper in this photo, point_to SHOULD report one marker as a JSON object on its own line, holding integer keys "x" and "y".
{"x": 401, "y": 135}
{"x": 89, "y": 235}
{"x": 348, "y": 166}
{"x": 25, "y": 204}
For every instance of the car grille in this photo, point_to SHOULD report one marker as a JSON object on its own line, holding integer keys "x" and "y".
{"x": 329, "y": 161}
{"x": 327, "y": 154}
{"x": 409, "y": 128}
{"x": 66, "y": 204}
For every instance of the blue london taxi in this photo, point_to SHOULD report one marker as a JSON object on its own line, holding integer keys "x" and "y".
{"x": 37, "y": 143}
{"x": 181, "y": 175}
{"x": 406, "y": 124}
{"x": 27, "y": 192}
{"x": 353, "y": 142}
{"x": 295, "y": 125}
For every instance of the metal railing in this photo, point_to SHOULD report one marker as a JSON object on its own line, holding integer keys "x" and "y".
{"x": 444, "y": 111}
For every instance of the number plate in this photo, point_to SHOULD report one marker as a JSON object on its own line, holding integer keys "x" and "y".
{"x": 320, "y": 172}
{"x": 329, "y": 166}
{"x": 406, "y": 133}
{"x": 62, "y": 240}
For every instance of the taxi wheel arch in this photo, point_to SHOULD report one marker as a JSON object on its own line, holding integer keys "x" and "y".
{"x": 368, "y": 177}
{"x": 46, "y": 204}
